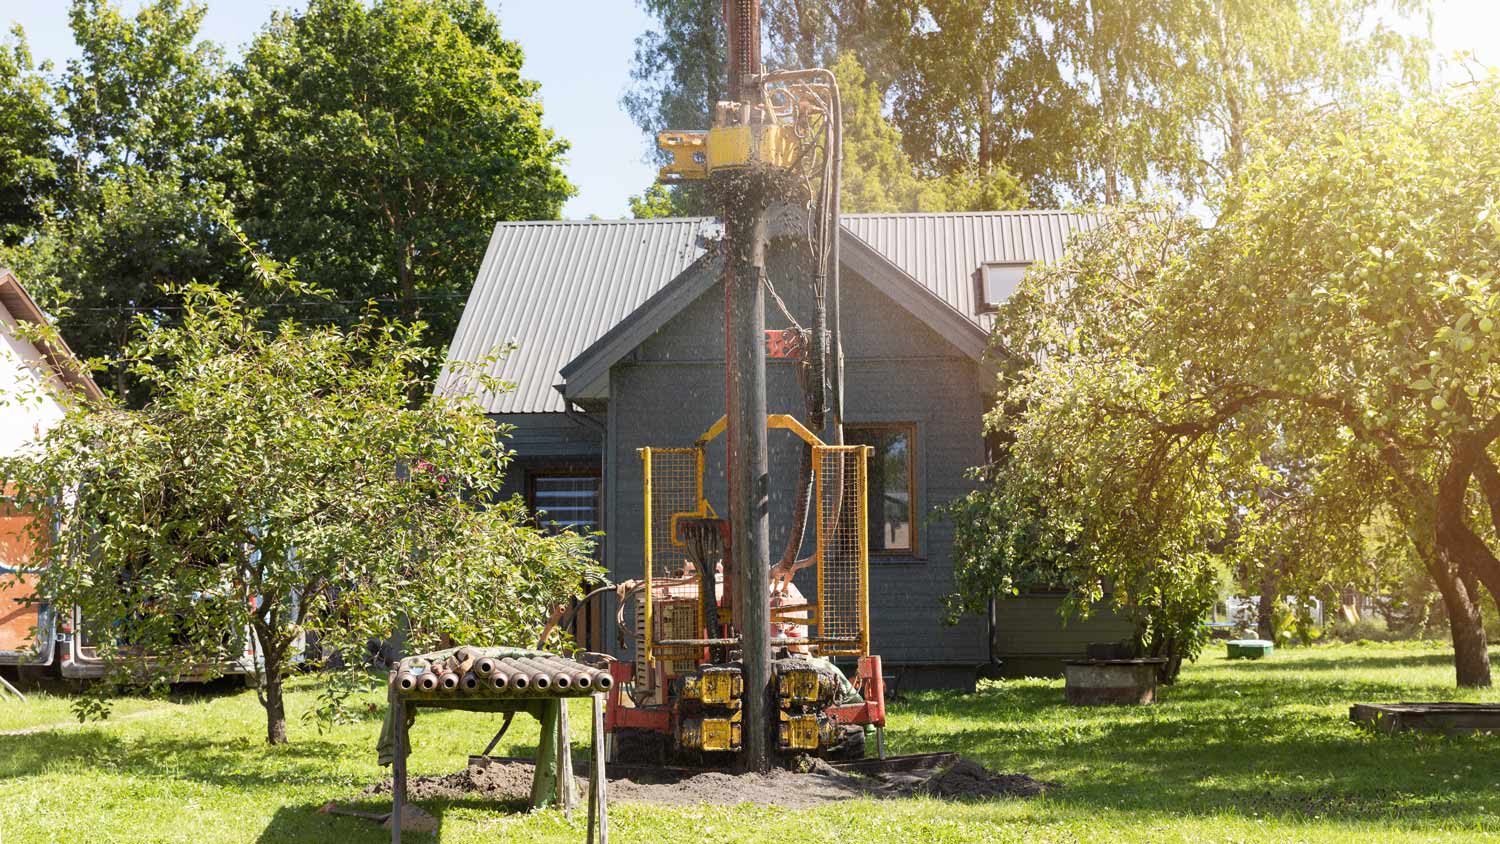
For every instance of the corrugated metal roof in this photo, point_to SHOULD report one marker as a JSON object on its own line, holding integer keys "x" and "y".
{"x": 942, "y": 251}
{"x": 554, "y": 288}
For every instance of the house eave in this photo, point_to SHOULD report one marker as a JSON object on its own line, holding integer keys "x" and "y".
{"x": 59, "y": 357}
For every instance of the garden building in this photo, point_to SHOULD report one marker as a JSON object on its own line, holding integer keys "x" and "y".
{"x": 617, "y": 343}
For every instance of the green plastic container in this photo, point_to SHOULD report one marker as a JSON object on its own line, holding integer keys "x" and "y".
{"x": 1250, "y": 648}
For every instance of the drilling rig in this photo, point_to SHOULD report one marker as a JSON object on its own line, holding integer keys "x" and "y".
{"x": 732, "y": 661}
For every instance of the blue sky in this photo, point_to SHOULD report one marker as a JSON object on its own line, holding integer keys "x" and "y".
{"x": 579, "y": 50}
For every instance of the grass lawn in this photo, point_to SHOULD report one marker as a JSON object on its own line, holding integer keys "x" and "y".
{"x": 1236, "y": 752}
{"x": 44, "y": 711}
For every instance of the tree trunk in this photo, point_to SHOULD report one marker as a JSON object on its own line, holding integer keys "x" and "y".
{"x": 1471, "y": 654}
{"x": 1460, "y": 591}
{"x": 275, "y": 705}
{"x": 1468, "y": 552}
{"x": 1265, "y": 611}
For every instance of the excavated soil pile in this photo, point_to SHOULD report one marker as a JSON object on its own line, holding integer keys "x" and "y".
{"x": 510, "y": 781}
{"x": 964, "y": 779}
{"x": 499, "y": 781}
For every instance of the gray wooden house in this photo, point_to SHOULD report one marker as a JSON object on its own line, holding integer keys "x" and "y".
{"x": 617, "y": 329}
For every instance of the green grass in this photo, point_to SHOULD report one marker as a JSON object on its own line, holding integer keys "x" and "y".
{"x": 1236, "y": 752}
{"x": 44, "y": 710}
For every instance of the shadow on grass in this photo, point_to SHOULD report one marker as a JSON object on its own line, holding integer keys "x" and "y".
{"x": 1236, "y": 739}
{"x": 227, "y": 763}
{"x": 1267, "y": 746}
{"x": 298, "y": 824}
{"x": 231, "y": 762}
{"x": 1343, "y": 663}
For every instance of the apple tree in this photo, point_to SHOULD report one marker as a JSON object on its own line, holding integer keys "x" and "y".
{"x": 1322, "y": 354}
{"x": 279, "y": 483}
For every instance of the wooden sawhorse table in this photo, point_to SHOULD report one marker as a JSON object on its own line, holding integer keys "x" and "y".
{"x": 557, "y": 712}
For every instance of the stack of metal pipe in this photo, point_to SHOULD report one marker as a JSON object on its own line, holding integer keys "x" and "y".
{"x": 470, "y": 672}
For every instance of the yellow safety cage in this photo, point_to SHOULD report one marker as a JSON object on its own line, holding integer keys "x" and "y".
{"x": 837, "y": 622}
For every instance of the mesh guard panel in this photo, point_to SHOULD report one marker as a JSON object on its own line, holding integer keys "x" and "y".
{"x": 842, "y": 550}
{"x": 673, "y": 478}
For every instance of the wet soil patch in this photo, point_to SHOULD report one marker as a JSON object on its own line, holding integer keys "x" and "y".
{"x": 956, "y": 778}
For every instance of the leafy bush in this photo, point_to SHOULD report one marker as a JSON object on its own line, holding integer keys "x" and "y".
{"x": 283, "y": 481}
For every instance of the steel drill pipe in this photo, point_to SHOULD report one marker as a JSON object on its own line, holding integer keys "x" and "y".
{"x": 487, "y": 665}
{"x": 449, "y": 681}
{"x": 499, "y": 680}
{"x": 559, "y": 679}
{"x": 535, "y": 679}
{"x": 470, "y": 682}
{"x": 577, "y": 674}
{"x": 564, "y": 671}
{"x": 428, "y": 682}
{"x": 582, "y": 676}
{"x": 541, "y": 677}
{"x": 407, "y": 680}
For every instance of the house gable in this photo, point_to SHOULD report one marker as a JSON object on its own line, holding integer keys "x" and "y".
{"x": 586, "y": 376}
{"x": 899, "y": 370}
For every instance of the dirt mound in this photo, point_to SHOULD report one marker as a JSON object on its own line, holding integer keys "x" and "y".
{"x": 500, "y": 781}
{"x": 966, "y": 779}
{"x": 780, "y": 787}
{"x": 818, "y": 782}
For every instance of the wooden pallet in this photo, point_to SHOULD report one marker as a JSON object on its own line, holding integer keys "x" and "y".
{"x": 1443, "y": 717}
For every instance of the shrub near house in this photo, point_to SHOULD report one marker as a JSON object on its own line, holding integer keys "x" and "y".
{"x": 262, "y": 487}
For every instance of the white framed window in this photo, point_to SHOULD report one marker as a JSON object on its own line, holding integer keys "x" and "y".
{"x": 995, "y": 281}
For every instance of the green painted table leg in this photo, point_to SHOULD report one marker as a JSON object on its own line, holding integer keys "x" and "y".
{"x": 544, "y": 781}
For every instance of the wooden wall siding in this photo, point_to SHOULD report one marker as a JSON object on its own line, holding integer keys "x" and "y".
{"x": 671, "y": 389}
{"x": 550, "y": 435}
{"x": 1032, "y": 626}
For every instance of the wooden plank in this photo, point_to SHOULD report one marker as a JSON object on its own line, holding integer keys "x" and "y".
{"x": 398, "y": 769}
{"x": 1443, "y": 717}
{"x": 598, "y": 806}
{"x": 566, "y": 795}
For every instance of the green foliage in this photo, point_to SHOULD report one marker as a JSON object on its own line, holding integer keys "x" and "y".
{"x": 1365, "y": 629}
{"x": 1294, "y": 625}
{"x": 976, "y": 91}
{"x": 28, "y": 161}
{"x": 1108, "y": 100}
{"x": 1270, "y": 384}
{"x": 1079, "y": 498}
{"x": 375, "y": 147}
{"x": 678, "y": 68}
{"x": 815, "y": 33}
{"x": 279, "y": 482}
{"x": 142, "y": 176}
{"x": 655, "y": 202}
{"x": 384, "y": 142}
{"x": 1084, "y": 101}
{"x": 678, "y": 73}
{"x": 879, "y": 177}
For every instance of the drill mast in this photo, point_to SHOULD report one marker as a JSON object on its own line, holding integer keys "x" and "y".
{"x": 745, "y": 200}
{"x": 705, "y": 674}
